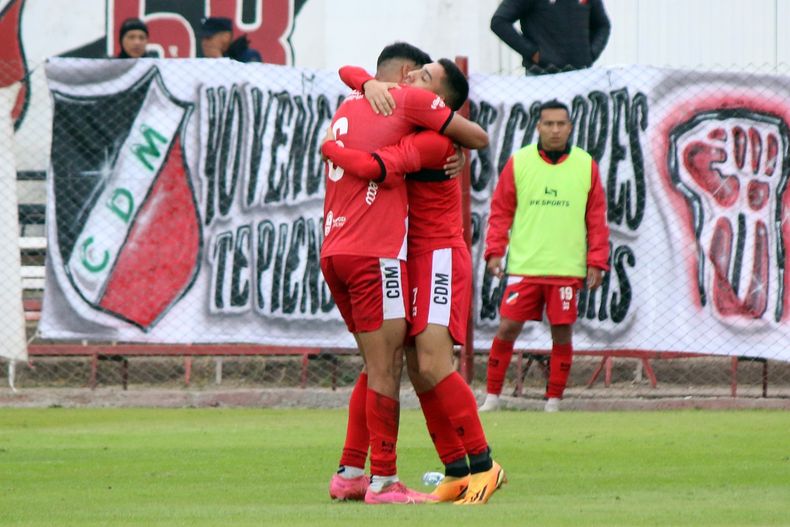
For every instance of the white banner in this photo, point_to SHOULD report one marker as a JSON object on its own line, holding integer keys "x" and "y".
{"x": 190, "y": 210}
{"x": 695, "y": 169}
{"x": 12, "y": 327}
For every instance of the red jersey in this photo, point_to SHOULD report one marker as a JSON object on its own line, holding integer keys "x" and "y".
{"x": 435, "y": 218}
{"x": 361, "y": 217}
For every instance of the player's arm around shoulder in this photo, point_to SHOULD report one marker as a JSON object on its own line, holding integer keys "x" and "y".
{"x": 354, "y": 77}
{"x": 361, "y": 164}
{"x": 465, "y": 132}
{"x": 376, "y": 92}
{"x": 428, "y": 110}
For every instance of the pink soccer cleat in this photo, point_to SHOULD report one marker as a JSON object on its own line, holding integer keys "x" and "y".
{"x": 348, "y": 489}
{"x": 397, "y": 493}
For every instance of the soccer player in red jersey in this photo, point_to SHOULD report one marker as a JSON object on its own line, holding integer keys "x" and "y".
{"x": 440, "y": 273}
{"x": 363, "y": 262}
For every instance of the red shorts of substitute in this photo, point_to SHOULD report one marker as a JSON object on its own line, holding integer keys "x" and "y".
{"x": 367, "y": 290}
{"x": 525, "y": 299}
{"x": 441, "y": 282}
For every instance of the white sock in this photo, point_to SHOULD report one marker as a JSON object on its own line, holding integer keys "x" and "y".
{"x": 377, "y": 483}
{"x": 349, "y": 472}
{"x": 552, "y": 404}
{"x": 491, "y": 402}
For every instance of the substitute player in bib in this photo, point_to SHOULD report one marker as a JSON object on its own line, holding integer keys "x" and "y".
{"x": 363, "y": 262}
{"x": 440, "y": 274}
{"x": 550, "y": 200}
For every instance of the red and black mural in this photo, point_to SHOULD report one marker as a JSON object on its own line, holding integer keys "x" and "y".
{"x": 726, "y": 161}
{"x": 174, "y": 28}
{"x": 13, "y": 67}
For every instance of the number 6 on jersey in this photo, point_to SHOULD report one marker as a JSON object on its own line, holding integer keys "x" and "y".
{"x": 339, "y": 127}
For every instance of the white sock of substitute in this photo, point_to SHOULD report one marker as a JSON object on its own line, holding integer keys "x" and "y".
{"x": 491, "y": 403}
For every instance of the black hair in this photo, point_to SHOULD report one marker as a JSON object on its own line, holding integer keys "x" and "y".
{"x": 131, "y": 24}
{"x": 215, "y": 24}
{"x": 554, "y": 104}
{"x": 455, "y": 85}
{"x": 403, "y": 50}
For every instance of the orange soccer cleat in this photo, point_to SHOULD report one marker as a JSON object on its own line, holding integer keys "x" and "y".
{"x": 451, "y": 489}
{"x": 483, "y": 485}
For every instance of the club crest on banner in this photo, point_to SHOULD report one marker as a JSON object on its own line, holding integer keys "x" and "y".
{"x": 130, "y": 237}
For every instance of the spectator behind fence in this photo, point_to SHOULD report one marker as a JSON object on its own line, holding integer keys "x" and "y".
{"x": 216, "y": 41}
{"x": 556, "y": 35}
{"x": 133, "y": 37}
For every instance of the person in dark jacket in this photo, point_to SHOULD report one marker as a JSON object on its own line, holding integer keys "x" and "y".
{"x": 556, "y": 35}
{"x": 133, "y": 37}
{"x": 216, "y": 40}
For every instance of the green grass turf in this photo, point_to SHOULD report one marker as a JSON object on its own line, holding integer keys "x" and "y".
{"x": 212, "y": 467}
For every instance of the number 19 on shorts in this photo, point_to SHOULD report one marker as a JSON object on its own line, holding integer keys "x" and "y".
{"x": 566, "y": 296}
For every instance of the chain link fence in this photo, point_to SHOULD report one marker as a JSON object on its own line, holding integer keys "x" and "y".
{"x": 170, "y": 221}
{"x": 694, "y": 165}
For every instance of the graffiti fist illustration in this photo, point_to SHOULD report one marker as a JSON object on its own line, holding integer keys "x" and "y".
{"x": 729, "y": 166}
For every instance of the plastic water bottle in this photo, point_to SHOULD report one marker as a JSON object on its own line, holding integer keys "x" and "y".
{"x": 431, "y": 479}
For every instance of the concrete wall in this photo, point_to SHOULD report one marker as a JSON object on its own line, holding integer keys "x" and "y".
{"x": 727, "y": 34}
{"x": 711, "y": 34}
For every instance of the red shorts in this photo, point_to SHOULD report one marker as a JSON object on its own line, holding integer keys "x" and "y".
{"x": 524, "y": 301}
{"x": 367, "y": 290}
{"x": 441, "y": 292}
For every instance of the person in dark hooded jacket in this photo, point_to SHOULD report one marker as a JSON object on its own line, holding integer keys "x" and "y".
{"x": 216, "y": 40}
{"x": 556, "y": 35}
{"x": 133, "y": 37}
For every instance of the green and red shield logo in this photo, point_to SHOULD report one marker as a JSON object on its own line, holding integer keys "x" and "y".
{"x": 128, "y": 229}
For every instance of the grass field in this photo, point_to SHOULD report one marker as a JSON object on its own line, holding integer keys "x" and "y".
{"x": 191, "y": 467}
